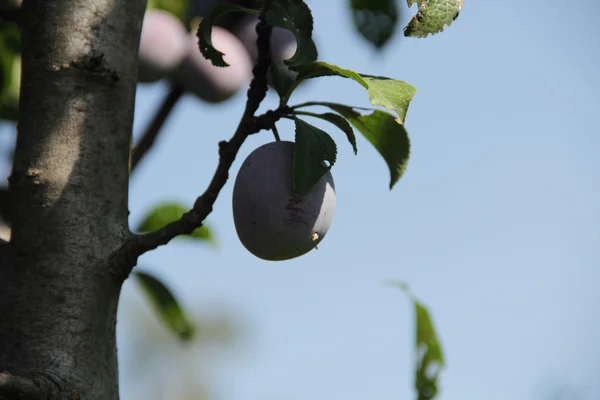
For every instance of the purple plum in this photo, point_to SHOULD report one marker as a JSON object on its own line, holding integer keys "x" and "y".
{"x": 271, "y": 221}
{"x": 197, "y": 75}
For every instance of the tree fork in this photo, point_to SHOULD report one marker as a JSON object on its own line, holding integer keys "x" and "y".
{"x": 58, "y": 300}
{"x": 125, "y": 258}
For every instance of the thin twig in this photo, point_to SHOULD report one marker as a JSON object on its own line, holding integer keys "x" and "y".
{"x": 249, "y": 124}
{"x": 153, "y": 130}
{"x": 276, "y": 133}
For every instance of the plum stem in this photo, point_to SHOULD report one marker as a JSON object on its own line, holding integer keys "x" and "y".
{"x": 125, "y": 257}
{"x": 153, "y": 130}
{"x": 275, "y": 133}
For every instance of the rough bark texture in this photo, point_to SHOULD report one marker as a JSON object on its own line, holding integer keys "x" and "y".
{"x": 58, "y": 299}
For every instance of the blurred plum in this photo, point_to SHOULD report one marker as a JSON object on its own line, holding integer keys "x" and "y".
{"x": 283, "y": 46}
{"x": 197, "y": 75}
{"x": 163, "y": 45}
{"x": 283, "y": 42}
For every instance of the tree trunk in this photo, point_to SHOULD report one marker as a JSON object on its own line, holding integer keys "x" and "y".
{"x": 58, "y": 296}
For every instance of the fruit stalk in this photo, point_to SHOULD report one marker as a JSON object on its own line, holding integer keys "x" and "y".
{"x": 276, "y": 133}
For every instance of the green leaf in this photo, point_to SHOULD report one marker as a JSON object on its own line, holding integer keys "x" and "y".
{"x": 10, "y": 68}
{"x": 383, "y": 132}
{"x": 312, "y": 151}
{"x": 375, "y": 20}
{"x": 167, "y": 306}
{"x": 178, "y": 8}
{"x": 430, "y": 358}
{"x": 281, "y": 78}
{"x": 429, "y": 355}
{"x": 295, "y": 16}
{"x": 162, "y": 215}
{"x": 10, "y": 71}
{"x": 338, "y": 121}
{"x": 432, "y": 16}
{"x": 166, "y": 213}
{"x": 205, "y": 31}
{"x": 395, "y": 95}
{"x": 10, "y": 38}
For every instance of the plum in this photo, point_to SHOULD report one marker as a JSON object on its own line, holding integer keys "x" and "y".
{"x": 283, "y": 46}
{"x": 283, "y": 42}
{"x": 214, "y": 84}
{"x": 163, "y": 45}
{"x": 271, "y": 221}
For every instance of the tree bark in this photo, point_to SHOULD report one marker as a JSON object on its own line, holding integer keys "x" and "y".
{"x": 58, "y": 296}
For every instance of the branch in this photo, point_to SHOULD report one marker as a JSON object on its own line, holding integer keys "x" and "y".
{"x": 259, "y": 85}
{"x": 153, "y": 130}
{"x": 249, "y": 124}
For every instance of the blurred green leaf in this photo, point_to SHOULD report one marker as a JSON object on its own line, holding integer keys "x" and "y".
{"x": 395, "y": 95}
{"x": 217, "y": 330}
{"x": 166, "y": 213}
{"x": 432, "y": 16}
{"x": 383, "y": 131}
{"x": 169, "y": 310}
{"x": 205, "y": 31}
{"x": 10, "y": 71}
{"x": 430, "y": 359}
{"x": 295, "y": 16}
{"x": 313, "y": 148}
{"x": 178, "y": 8}
{"x": 375, "y": 20}
{"x": 203, "y": 233}
{"x": 338, "y": 121}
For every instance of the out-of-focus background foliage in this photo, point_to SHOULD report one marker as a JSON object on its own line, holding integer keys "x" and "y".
{"x": 495, "y": 224}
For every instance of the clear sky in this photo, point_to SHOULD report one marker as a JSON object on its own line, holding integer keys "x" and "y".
{"x": 495, "y": 225}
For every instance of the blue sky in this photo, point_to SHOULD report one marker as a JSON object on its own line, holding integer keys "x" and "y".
{"x": 495, "y": 225}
